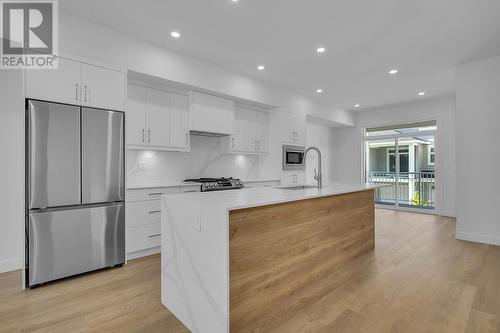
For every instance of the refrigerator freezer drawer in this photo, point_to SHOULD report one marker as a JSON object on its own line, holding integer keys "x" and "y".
{"x": 69, "y": 242}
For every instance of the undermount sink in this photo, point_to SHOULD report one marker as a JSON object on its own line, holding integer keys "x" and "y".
{"x": 302, "y": 187}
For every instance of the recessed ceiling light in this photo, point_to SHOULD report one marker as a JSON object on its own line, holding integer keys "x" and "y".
{"x": 422, "y": 93}
{"x": 175, "y": 34}
{"x": 319, "y": 91}
{"x": 320, "y": 49}
{"x": 393, "y": 71}
{"x": 234, "y": 0}
{"x": 357, "y": 106}
{"x": 260, "y": 67}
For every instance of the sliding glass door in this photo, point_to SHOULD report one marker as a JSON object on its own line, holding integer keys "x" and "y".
{"x": 403, "y": 158}
{"x": 381, "y": 169}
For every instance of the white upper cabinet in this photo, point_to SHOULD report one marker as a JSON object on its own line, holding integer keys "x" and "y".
{"x": 103, "y": 88}
{"x": 250, "y": 132}
{"x": 179, "y": 120}
{"x": 262, "y": 131}
{"x": 292, "y": 127}
{"x": 79, "y": 84}
{"x": 157, "y": 119}
{"x": 212, "y": 114}
{"x": 136, "y": 115}
{"x": 55, "y": 85}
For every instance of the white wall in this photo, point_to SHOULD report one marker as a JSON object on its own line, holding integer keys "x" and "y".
{"x": 97, "y": 42}
{"x": 478, "y": 158}
{"x": 348, "y": 147}
{"x": 11, "y": 169}
{"x": 321, "y": 137}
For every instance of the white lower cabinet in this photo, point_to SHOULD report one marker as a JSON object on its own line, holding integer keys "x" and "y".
{"x": 262, "y": 183}
{"x": 143, "y": 212}
{"x": 143, "y": 218}
{"x": 293, "y": 178}
{"x": 143, "y": 237}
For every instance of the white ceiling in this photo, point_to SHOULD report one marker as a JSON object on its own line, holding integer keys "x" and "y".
{"x": 424, "y": 39}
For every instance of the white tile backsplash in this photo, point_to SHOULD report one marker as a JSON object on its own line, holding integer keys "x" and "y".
{"x": 204, "y": 160}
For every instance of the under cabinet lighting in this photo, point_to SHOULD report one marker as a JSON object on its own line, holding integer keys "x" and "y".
{"x": 319, "y": 91}
{"x": 357, "y": 106}
{"x": 422, "y": 93}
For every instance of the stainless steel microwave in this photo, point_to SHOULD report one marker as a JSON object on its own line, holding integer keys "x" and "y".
{"x": 293, "y": 158}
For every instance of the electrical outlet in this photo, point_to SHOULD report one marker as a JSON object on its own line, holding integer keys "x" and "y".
{"x": 197, "y": 223}
{"x": 141, "y": 165}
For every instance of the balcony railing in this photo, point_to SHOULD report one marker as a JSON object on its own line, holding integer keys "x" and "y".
{"x": 412, "y": 189}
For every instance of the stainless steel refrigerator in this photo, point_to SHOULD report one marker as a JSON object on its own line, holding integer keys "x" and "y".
{"x": 75, "y": 190}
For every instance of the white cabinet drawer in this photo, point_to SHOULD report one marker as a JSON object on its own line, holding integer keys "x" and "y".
{"x": 186, "y": 189}
{"x": 264, "y": 183}
{"x": 143, "y": 212}
{"x": 143, "y": 237}
{"x": 150, "y": 193}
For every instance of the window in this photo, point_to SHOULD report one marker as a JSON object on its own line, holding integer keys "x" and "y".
{"x": 403, "y": 160}
{"x": 431, "y": 155}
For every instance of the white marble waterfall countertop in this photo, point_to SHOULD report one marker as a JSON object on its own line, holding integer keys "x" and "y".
{"x": 253, "y": 197}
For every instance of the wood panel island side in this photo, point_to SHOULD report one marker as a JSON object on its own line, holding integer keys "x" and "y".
{"x": 236, "y": 261}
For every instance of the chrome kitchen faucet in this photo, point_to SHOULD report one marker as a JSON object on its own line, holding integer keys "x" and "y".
{"x": 318, "y": 176}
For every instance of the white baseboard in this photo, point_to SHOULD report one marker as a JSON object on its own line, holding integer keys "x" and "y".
{"x": 478, "y": 238}
{"x": 143, "y": 253}
{"x": 10, "y": 265}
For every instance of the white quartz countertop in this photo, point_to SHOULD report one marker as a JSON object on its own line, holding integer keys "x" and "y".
{"x": 253, "y": 197}
{"x": 185, "y": 184}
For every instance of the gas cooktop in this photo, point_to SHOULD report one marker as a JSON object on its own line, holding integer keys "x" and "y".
{"x": 217, "y": 184}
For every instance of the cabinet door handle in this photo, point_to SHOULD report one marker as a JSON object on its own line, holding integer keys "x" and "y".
{"x": 154, "y": 212}
{"x": 186, "y": 139}
{"x": 149, "y": 136}
{"x": 232, "y": 140}
{"x": 158, "y": 193}
{"x": 76, "y": 92}
{"x": 85, "y": 93}
{"x": 155, "y": 235}
{"x": 294, "y": 135}
{"x": 258, "y": 145}
{"x": 143, "y": 135}
{"x": 189, "y": 191}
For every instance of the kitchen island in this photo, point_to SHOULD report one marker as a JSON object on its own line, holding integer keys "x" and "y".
{"x": 232, "y": 261}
